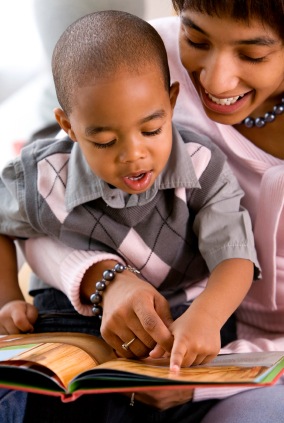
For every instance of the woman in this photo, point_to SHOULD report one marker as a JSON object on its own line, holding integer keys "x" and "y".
{"x": 229, "y": 61}
{"x": 230, "y": 66}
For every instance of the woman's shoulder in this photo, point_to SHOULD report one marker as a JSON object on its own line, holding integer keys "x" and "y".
{"x": 163, "y": 24}
{"x": 168, "y": 28}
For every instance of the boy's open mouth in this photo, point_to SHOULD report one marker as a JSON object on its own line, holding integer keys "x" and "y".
{"x": 139, "y": 181}
{"x": 136, "y": 178}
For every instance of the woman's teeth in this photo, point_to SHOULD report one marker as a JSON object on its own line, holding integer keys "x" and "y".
{"x": 224, "y": 101}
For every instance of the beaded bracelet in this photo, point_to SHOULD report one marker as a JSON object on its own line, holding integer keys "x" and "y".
{"x": 108, "y": 276}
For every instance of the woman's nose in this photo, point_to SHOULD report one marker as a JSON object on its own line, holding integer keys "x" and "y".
{"x": 219, "y": 74}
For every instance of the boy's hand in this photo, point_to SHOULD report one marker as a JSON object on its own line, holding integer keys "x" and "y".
{"x": 197, "y": 332}
{"x": 16, "y": 317}
{"x": 196, "y": 339}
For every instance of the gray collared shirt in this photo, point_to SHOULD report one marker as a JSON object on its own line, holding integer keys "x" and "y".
{"x": 174, "y": 233}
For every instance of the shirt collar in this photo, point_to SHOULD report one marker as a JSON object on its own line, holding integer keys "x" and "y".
{"x": 84, "y": 186}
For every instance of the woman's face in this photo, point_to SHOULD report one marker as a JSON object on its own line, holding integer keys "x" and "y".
{"x": 237, "y": 69}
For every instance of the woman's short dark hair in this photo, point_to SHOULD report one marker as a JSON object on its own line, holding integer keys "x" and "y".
{"x": 269, "y": 12}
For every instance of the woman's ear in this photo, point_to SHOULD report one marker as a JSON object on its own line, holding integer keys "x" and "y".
{"x": 64, "y": 123}
{"x": 174, "y": 90}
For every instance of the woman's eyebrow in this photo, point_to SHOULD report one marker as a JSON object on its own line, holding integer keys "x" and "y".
{"x": 188, "y": 22}
{"x": 259, "y": 41}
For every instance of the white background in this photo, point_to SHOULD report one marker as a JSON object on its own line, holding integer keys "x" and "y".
{"x": 22, "y": 70}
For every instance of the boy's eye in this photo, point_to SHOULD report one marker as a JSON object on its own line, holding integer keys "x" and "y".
{"x": 105, "y": 145}
{"x": 152, "y": 133}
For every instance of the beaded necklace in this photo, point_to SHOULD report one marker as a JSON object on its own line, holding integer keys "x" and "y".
{"x": 269, "y": 117}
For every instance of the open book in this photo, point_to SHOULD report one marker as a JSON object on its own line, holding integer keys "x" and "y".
{"x": 73, "y": 364}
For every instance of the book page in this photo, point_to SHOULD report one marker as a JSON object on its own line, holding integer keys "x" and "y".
{"x": 99, "y": 350}
{"x": 64, "y": 354}
{"x": 65, "y": 361}
{"x": 223, "y": 369}
{"x": 263, "y": 358}
{"x": 69, "y": 354}
{"x": 193, "y": 374}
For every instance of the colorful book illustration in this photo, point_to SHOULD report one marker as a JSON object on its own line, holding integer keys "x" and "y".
{"x": 72, "y": 364}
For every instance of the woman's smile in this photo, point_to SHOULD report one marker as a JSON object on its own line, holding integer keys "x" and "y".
{"x": 224, "y": 105}
{"x": 228, "y": 101}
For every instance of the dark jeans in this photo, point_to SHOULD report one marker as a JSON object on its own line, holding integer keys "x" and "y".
{"x": 58, "y": 315}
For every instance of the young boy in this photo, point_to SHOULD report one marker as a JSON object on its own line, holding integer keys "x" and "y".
{"x": 127, "y": 185}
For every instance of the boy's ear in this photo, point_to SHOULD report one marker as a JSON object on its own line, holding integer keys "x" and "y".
{"x": 174, "y": 90}
{"x": 64, "y": 123}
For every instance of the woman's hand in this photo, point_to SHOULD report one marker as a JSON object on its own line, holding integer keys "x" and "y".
{"x": 132, "y": 308}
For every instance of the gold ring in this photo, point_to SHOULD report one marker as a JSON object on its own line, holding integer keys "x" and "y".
{"x": 126, "y": 345}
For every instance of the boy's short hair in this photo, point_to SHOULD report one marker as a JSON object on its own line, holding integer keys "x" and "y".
{"x": 101, "y": 44}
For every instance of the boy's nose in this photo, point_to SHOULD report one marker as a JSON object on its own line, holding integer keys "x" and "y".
{"x": 132, "y": 150}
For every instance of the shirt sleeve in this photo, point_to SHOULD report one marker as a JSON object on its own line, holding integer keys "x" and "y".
{"x": 222, "y": 225}
{"x": 13, "y": 217}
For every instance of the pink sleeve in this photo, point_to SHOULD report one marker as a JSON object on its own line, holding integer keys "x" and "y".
{"x": 63, "y": 267}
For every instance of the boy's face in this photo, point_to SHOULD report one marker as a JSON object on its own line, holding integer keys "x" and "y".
{"x": 124, "y": 128}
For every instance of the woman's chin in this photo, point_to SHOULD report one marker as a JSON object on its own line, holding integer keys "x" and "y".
{"x": 223, "y": 119}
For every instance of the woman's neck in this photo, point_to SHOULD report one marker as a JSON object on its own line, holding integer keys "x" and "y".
{"x": 270, "y": 138}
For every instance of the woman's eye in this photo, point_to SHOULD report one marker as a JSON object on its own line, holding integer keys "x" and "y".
{"x": 252, "y": 59}
{"x": 105, "y": 145}
{"x": 199, "y": 46}
{"x": 152, "y": 133}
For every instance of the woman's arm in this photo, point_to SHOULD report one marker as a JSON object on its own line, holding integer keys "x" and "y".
{"x": 15, "y": 314}
{"x": 132, "y": 307}
{"x": 9, "y": 287}
{"x": 64, "y": 268}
